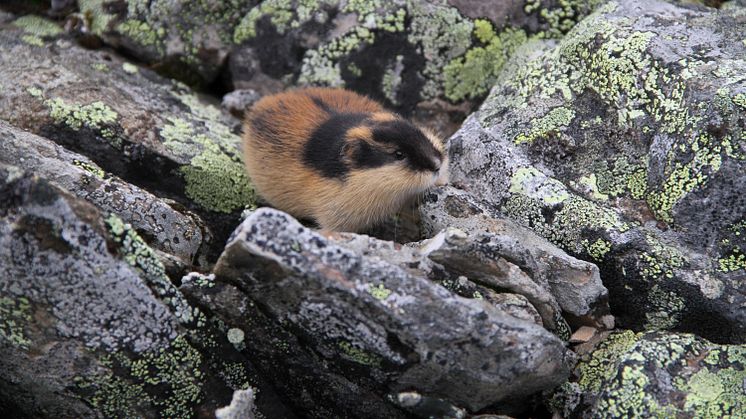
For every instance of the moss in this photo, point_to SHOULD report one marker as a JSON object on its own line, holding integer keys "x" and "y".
{"x": 360, "y": 356}
{"x": 379, "y": 292}
{"x": 15, "y": 315}
{"x": 547, "y": 125}
{"x": 37, "y": 26}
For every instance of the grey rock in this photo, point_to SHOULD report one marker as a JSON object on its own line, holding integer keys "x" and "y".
{"x": 90, "y": 325}
{"x": 489, "y": 248}
{"x": 167, "y": 229}
{"x": 374, "y": 314}
{"x": 632, "y": 161}
{"x": 238, "y": 102}
{"x": 241, "y": 407}
{"x": 149, "y": 131}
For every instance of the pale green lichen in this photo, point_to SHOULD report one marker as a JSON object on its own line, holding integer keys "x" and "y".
{"x": 15, "y": 316}
{"x": 235, "y": 336}
{"x": 94, "y": 115}
{"x": 35, "y": 92}
{"x": 360, "y": 356}
{"x": 598, "y": 249}
{"x": 665, "y": 309}
{"x": 90, "y": 168}
{"x": 96, "y": 15}
{"x": 473, "y": 74}
{"x": 602, "y": 363}
{"x": 379, "y": 292}
{"x": 37, "y": 26}
{"x": 33, "y": 40}
{"x": 139, "y": 255}
{"x": 547, "y": 125}
{"x": 392, "y": 80}
{"x": 172, "y": 374}
{"x": 130, "y": 68}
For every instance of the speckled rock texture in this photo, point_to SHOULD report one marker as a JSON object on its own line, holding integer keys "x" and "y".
{"x": 396, "y": 329}
{"x": 177, "y": 235}
{"x": 150, "y": 131}
{"x": 425, "y": 58}
{"x": 657, "y": 374}
{"x": 624, "y": 144}
{"x": 90, "y": 325}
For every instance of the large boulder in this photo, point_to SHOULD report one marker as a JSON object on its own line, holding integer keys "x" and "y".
{"x": 90, "y": 326}
{"x": 385, "y": 327}
{"x": 624, "y": 144}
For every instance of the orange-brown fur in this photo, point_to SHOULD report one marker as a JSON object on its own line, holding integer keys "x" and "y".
{"x": 365, "y": 197}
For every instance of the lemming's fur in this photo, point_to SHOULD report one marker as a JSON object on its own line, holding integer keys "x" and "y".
{"x": 338, "y": 158}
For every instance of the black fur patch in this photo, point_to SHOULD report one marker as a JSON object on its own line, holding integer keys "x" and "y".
{"x": 411, "y": 141}
{"x": 367, "y": 157}
{"x": 323, "y": 151}
{"x": 321, "y": 104}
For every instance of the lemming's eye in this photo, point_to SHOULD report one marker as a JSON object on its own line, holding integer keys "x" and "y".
{"x": 399, "y": 155}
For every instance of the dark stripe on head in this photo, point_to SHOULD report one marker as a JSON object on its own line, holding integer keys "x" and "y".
{"x": 419, "y": 151}
{"x": 321, "y": 104}
{"x": 323, "y": 151}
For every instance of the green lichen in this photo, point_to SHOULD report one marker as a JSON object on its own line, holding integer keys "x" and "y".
{"x": 660, "y": 261}
{"x": 169, "y": 379}
{"x": 548, "y": 125}
{"x": 33, "y": 40}
{"x": 637, "y": 183}
{"x": 100, "y": 67}
{"x": 379, "y": 292}
{"x": 598, "y": 249}
{"x": 130, "y": 68}
{"x": 37, "y": 26}
{"x": 90, "y": 168}
{"x": 35, "y": 92}
{"x": 443, "y": 35}
{"x": 133, "y": 250}
{"x": 15, "y": 315}
{"x": 143, "y": 33}
{"x": 96, "y": 15}
{"x": 602, "y": 363}
{"x": 392, "y": 80}
{"x": 95, "y": 115}
{"x": 473, "y": 74}
{"x": 360, "y": 356}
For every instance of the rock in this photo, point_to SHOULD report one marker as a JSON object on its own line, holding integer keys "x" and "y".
{"x": 166, "y": 229}
{"x": 149, "y": 131}
{"x": 494, "y": 250}
{"x": 623, "y": 144}
{"x": 238, "y": 102}
{"x": 379, "y": 320}
{"x": 661, "y": 374}
{"x": 90, "y": 326}
{"x": 241, "y": 407}
{"x": 308, "y": 381}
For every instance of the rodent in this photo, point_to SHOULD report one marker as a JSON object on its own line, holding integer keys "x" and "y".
{"x": 338, "y": 158}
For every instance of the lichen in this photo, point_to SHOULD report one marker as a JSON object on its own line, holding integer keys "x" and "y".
{"x": 360, "y": 356}
{"x": 602, "y": 363}
{"x": 665, "y": 309}
{"x": 37, "y": 26}
{"x": 379, "y": 292}
{"x": 169, "y": 379}
{"x": 15, "y": 315}
{"x": 140, "y": 256}
{"x": 130, "y": 68}
{"x": 90, "y": 168}
{"x": 547, "y": 125}
{"x": 472, "y": 75}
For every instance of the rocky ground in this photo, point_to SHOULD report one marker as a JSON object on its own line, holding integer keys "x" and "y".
{"x": 587, "y": 260}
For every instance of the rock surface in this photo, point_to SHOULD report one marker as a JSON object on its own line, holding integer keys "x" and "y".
{"x": 149, "y": 131}
{"x": 90, "y": 326}
{"x": 659, "y": 374}
{"x": 624, "y": 144}
{"x": 400, "y": 329}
